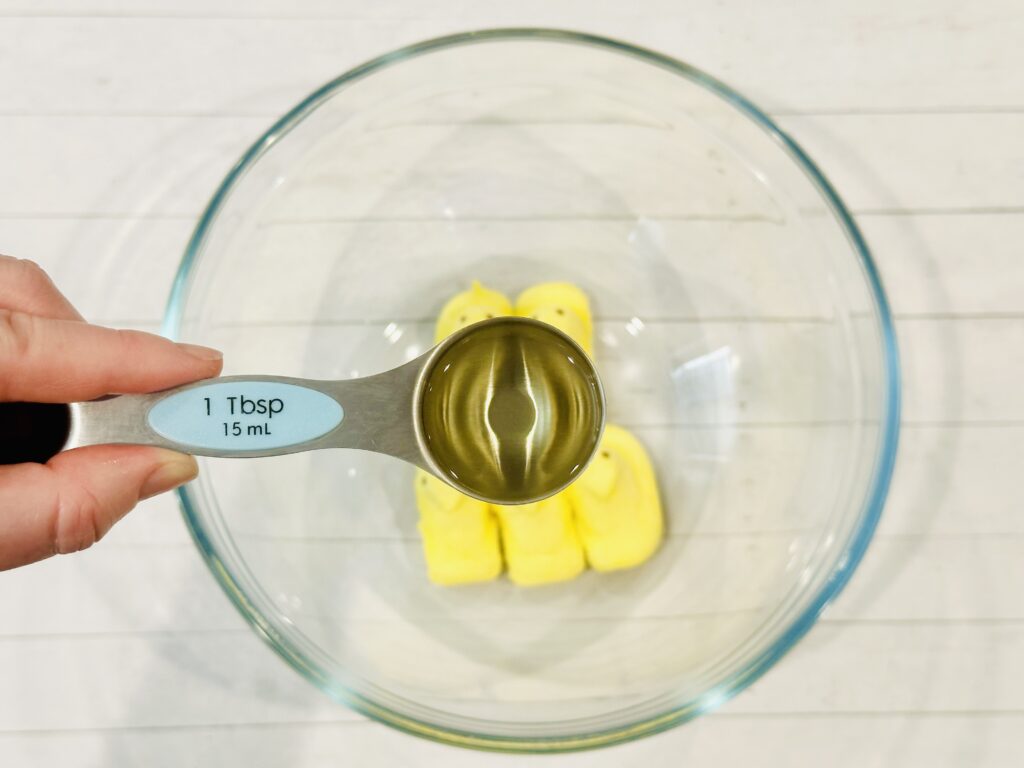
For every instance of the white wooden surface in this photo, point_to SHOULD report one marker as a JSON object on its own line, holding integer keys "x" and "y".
{"x": 117, "y": 118}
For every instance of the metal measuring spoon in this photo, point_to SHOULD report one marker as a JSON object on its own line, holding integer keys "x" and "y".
{"x": 508, "y": 410}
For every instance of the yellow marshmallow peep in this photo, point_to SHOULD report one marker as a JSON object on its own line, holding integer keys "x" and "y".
{"x": 540, "y": 541}
{"x": 472, "y": 306}
{"x": 615, "y": 502}
{"x": 460, "y": 535}
{"x": 562, "y": 305}
{"x": 461, "y": 540}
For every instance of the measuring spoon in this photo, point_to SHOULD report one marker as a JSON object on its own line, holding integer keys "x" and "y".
{"x": 509, "y": 410}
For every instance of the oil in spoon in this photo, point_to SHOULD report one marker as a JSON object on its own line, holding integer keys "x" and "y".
{"x": 512, "y": 411}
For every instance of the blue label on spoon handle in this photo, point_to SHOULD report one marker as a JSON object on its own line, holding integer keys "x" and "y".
{"x": 245, "y": 416}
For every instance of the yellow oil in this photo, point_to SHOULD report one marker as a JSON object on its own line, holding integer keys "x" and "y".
{"x": 512, "y": 411}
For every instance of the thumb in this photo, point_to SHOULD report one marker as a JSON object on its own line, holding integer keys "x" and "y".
{"x": 57, "y": 361}
{"x": 69, "y": 503}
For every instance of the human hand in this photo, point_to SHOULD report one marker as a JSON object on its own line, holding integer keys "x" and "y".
{"x": 49, "y": 354}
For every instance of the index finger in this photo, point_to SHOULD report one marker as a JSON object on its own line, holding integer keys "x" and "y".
{"x": 25, "y": 287}
{"x": 59, "y": 361}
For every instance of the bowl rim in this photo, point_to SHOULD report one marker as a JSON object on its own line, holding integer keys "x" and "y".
{"x": 889, "y": 417}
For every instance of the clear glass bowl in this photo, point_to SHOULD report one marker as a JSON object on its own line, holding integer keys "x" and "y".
{"x": 741, "y": 332}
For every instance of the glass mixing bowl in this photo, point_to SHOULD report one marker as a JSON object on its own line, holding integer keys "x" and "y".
{"x": 741, "y": 332}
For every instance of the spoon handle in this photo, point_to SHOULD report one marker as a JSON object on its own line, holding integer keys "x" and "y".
{"x": 243, "y": 416}
{"x": 236, "y": 416}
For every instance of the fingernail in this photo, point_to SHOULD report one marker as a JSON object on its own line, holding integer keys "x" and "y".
{"x": 202, "y": 353}
{"x": 174, "y": 470}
